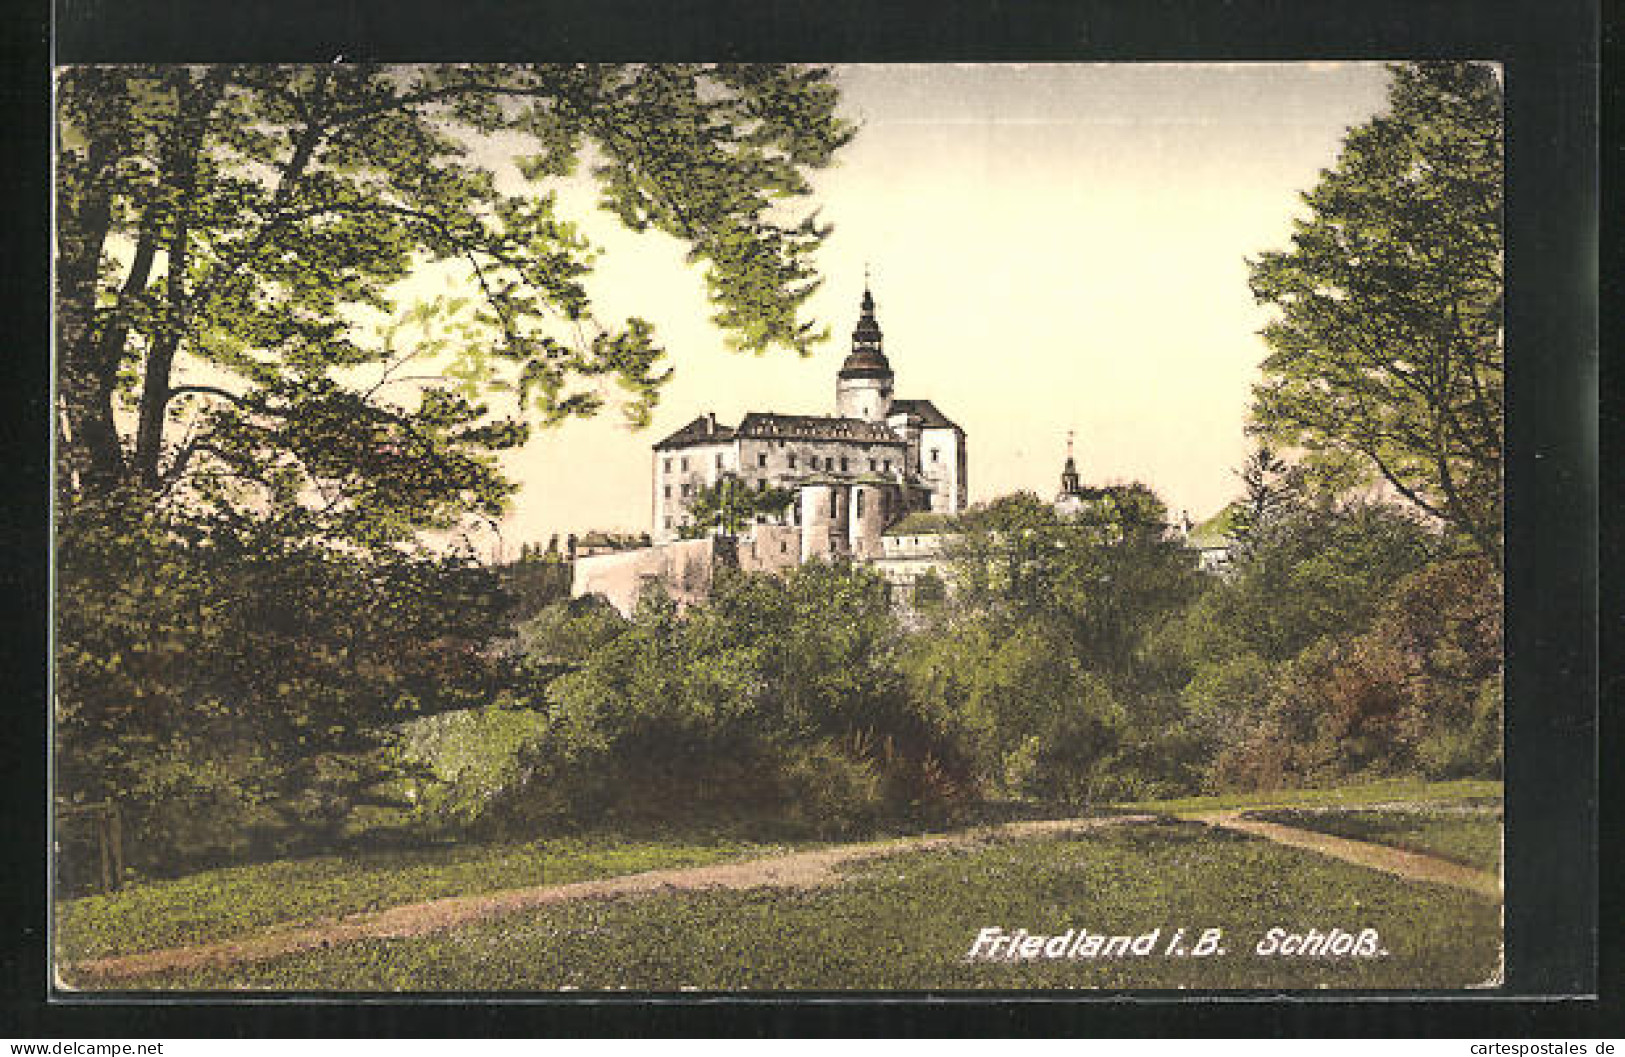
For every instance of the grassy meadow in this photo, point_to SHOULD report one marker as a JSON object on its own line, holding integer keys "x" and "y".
{"x": 905, "y": 921}
{"x": 235, "y": 901}
{"x": 908, "y": 921}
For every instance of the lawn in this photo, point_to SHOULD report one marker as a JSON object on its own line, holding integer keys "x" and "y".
{"x": 1468, "y": 835}
{"x": 218, "y": 904}
{"x": 908, "y": 922}
{"x": 1406, "y": 790}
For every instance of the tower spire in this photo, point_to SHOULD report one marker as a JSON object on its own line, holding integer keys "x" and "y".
{"x": 866, "y": 336}
{"x": 1069, "y": 472}
{"x": 863, "y": 387}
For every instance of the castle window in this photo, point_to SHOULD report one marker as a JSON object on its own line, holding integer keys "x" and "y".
{"x": 684, "y": 462}
{"x": 668, "y": 522}
{"x": 832, "y": 504}
{"x": 685, "y": 491}
{"x": 761, "y": 458}
{"x": 872, "y": 465}
{"x": 792, "y": 460}
{"x": 843, "y": 464}
{"x": 934, "y": 453}
{"x": 784, "y": 548}
{"x": 761, "y": 484}
{"x": 668, "y": 465}
{"x": 860, "y": 502}
{"x": 719, "y": 459}
{"x": 887, "y": 464}
{"x": 668, "y": 491}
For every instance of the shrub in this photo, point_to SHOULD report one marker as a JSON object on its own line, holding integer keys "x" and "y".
{"x": 470, "y": 769}
{"x": 1063, "y": 760}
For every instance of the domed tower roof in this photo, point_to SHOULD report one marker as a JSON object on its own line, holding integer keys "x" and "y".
{"x": 868, "y": 359}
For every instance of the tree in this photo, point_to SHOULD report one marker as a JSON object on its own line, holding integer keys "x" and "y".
{"x": 1270, "y": 488}
{"x": 1388, "y": 341}
{"x": 1108, "y": 575}
{"x": 229, "y": 240}
{"x": 230, "y": 693}
{"x": 254, "y": 421}
{"x": 731, "y": 505}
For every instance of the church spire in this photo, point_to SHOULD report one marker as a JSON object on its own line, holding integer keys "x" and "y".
{"x": 1069, "y": 472}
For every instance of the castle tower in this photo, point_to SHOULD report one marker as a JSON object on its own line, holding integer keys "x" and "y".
{"x": 863, "y": 388}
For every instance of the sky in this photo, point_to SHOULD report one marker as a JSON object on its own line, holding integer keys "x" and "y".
{"x": 1052, "y": 248}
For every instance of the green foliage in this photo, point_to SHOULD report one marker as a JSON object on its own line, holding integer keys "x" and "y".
{"x": 1315, "y": 571}
{"x": 730, "y": 506}
{"x": 1062, "y": 761}
{"x": 255, "y": 434}
{"x": 1104, "y": 578}
{"x": 1271, "y": 488}
{"x": 231, "y": 237}
{"x": 1419, "y": 692}
{"x": 233, "y": 692}
{"x": 1388, "y": 341}
{"x": 471, "y": 765}
{"x": 779, "y": 697}
{"x": 1037, "y": 722}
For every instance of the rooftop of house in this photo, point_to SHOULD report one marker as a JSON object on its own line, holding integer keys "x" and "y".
{"x": 924, "y": 412}
{"x": 1216, "y": 531}
{"x": 765, "y": 425}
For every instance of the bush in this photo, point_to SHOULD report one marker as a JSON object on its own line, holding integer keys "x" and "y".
{"x": 1417, "y": 693}
{"x": 825, "y": 792}
{"x": 1064, "y": 760}
{"x": 780, "y": 697}
{"x": 470, "y": 770}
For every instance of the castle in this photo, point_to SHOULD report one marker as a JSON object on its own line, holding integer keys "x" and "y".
{"x": 877, "y": 483}
{"x": 877, "y": 459}
{"x": 853, "y": 476}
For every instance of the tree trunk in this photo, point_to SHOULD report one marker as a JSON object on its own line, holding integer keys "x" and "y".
{"x": 87, "y": 383}
{"x": 181, "y": 165}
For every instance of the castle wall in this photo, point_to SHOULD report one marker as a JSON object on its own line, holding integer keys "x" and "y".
{"x": 866, "y": 519}
{"x": 942, "y": 464}
{"x": 770, "y": 548}
{"x": 865, "y": 398}
{"x": 684, "y": 568}
{"x": 679, "y": 474}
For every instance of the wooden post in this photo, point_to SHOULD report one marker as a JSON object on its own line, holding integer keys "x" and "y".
{"x": 116, "y": 825}
{"x": 102, "y": 844}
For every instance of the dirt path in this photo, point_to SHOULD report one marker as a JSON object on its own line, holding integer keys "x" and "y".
{"x": 1408, "y": 864}
{"x": 808, "y": 869}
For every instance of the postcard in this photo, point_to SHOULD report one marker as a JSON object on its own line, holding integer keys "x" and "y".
{"x": 749, "y": 528}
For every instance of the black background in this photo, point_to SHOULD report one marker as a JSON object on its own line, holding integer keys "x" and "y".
{"x": 1550, "y": 50}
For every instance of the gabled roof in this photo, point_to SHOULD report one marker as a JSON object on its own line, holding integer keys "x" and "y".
{"x": 702, "y": 430}
{"x": 1216, "y": 531}
{"x": 926, "y": 412}
{"x": 761, "y": 424}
